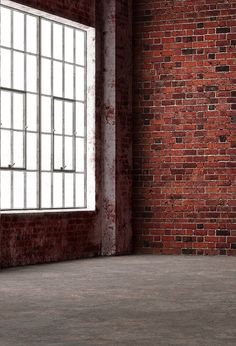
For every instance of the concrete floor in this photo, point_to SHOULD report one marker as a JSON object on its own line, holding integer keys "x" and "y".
{"x": 132, "y": 300}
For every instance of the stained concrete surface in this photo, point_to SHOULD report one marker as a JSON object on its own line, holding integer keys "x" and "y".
{"x": 131, "y": 300}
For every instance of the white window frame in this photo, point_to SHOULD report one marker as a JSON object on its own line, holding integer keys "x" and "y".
{"x": 89, "y": 171}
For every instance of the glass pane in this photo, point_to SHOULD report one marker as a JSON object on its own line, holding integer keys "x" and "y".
{"x": 5, "y": 68}
{"x": 5, "y": 148}
{"x": 31, "y": 112}
{"x": 69, "y": 81}
{"x": 5, "y": 187}
{"x": 18, "y": 71}
{"x": 69, "y": 190}
{"x": 57, "y": 78}
{"x": 79, "y": 154}
{"x": 79, "y": 83}
{"x": 79, "y": 119}
{"x": 69, "y": 44}
{"x": 79, "y": 190}
{"x": 46, "y": 38}
{"x": 46, "y": 76}
{"x": 58, "y": 116}
{"x": 18, "y": 111}
{"x": 18, "y": 149}
{"x": 57, "y": 190}
{"x": 32, "y": 152}
{"x": 31, "y": 190}
{"x": 69, "y": 118}
{"x": 31, "y": 34}
{"x": 18, "y": 190}
{"x": 80, "y": 42}
{"x": 6, "y": 109}
{"x": 57, "y": 41}
{"x": 5, "y": 27}
{"x": 46, "y": 152}
{"x": 58, "y": 145}
{"x": 46, "y": 190}
{"x": 46, "y": 114}
{"x": 18, "y": 30}
{"x": 31, "y": 70}
{"x": 68, "y": 153}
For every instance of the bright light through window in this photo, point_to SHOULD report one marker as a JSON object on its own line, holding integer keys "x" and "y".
{"x": 46, "y": 112}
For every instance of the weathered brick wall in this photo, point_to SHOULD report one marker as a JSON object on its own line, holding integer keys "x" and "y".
{"x": 184, "y": 136}
{"x": 40, "y": 238}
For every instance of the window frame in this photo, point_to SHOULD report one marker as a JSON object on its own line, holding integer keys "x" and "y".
{"x": 89, "y": 100}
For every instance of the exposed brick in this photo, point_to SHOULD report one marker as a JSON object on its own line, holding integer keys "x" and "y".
{"x": 196, "y": 161}
{"x": 222, "y": 232}
{"x": 222, "y": 30}
{"x": 223, "y": 68}
{"x": 188, "y": 51}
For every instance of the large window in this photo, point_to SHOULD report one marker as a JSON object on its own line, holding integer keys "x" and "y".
{"x": 46, "y": 112}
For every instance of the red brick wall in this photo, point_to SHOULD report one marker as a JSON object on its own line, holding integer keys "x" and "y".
{"x": 184, "y": 197}
{"x": 40, "y": 238}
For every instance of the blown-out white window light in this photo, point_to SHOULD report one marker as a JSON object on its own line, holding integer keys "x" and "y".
{"x": 47, "y": 112}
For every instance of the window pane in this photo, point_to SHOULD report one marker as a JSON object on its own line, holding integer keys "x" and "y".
{"x": 18, "y": 190}
{"x": 57, "y": 41}
{"x": 46, "y": 38}
{"x": 46, "y": 114}
{"x": 32, "y": 152}
{"x": 31, "y": 112}
{"x": 79, "y": 119}
{"x": 58, "y": 116}
{"x": 58, "y": 145}
{"x": 57, "y": 190}
{"x": 46, "y": 190}
{"x": 46, "y": 76}
{"x": 57, "y": 78}
{"x": 80, "y": 41}
{"x": 69, "y": 190}
{"x": 18, "y": 111}
{"x": 18, "y": 30}
{"x": 69, "y": 44}
{"x": 31, "y": 190}
{"x": 80, "y": 83}
{"x": 5, "y": 27}
{"x": 69, "y": 153}
{"x": 6, "y": 109}
{"x": 18, "y": 71}
{"x": 79, "y": 190}
{"x": 31, "y": 70}
{"x": 79, "y": 154}
{"x": 5, "y": 179}
{"x": 31, "y": 34}
{"x": 69, "y": 118}
{"x": 5, "y": 68}
{"x": 46, "y": 152}
{"x": 69, "y": 81}
{"x": 18, "y": 149}
{"x": 5, "y": 148}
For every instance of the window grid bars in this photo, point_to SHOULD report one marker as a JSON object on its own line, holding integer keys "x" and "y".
{"x": 39, "y": 94}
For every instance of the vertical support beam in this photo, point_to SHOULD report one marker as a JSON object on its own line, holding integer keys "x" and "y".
{"x": 117, "y": 128}
{"x": 109, "y": 130}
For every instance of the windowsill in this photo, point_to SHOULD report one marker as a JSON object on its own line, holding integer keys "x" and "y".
{"x": 46, "y": 211}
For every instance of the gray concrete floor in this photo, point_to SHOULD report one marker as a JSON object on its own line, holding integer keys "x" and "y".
{"x": 131, "y": 300}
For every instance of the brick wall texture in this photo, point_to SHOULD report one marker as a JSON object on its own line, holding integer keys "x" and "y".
{"x": 184, "y": 196}
{"x": 30, "y": 239}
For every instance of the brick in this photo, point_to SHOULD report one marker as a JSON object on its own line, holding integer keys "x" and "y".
{"x": 197, "y": 156}
{"x": 222, "y": 232}
{"x": 223, "y": 68}
{"x": 188, "y": 51}
{"x": 222, "y": 30}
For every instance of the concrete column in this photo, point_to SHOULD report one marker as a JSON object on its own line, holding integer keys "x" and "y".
{"x": 117, "y": 127}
